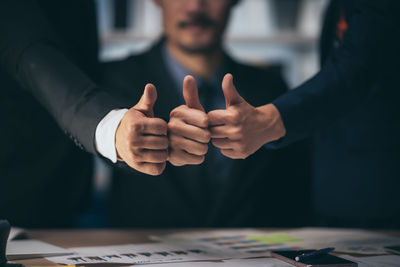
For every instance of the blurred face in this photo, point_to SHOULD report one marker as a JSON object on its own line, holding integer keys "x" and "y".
{"x": 195, "y": 26}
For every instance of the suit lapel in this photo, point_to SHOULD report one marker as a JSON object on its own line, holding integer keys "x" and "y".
{"x": 168, "y": 93}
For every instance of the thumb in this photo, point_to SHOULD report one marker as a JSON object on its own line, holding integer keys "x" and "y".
{"x": 147, "y": 101}
{"x": 191, "y": 93}
{"x": 232, "y": 97}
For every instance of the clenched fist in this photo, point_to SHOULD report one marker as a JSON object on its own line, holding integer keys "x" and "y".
{"x": 188, "y": 128}
{"x": 141, "y": 140}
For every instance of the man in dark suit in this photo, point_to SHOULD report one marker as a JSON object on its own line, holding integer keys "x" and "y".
{"x": 350, "y": 107}
{"x": 220, "y": 192}
{"x": 48, "y": 65}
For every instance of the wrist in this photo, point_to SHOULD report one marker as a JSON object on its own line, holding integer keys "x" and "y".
{"x": 272, "y": 123}
{"x": 116, "y": 142}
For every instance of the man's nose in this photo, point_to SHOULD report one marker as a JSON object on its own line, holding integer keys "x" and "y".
{"x": 195, "y": 6}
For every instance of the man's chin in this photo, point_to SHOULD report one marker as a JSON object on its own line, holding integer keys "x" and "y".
{"x": 198, "y": 49}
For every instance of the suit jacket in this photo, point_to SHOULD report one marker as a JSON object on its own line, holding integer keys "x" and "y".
{"x": 45, "y": 179}
{"x": 256, "y": 192}
{"x": 50, "y": 49}
{"x": 351, "y": 107}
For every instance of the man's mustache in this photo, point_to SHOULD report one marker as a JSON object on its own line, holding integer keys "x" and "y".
{"x": 202, "y": 21}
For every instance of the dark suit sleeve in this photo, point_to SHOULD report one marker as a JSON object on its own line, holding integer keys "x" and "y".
{"x": 345, "y": 79}
{"x": 34, "y": 56}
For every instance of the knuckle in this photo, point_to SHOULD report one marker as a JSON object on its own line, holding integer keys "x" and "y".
{"x": 157, "y": 169}
{"x": 173, "y": 159}
{"x": 164, "y": 143}
{"x": 135, "y": 126}
{"x": 135, "y": 142}
{"x": 211, "y": 117}
{"x": 176, "y": 163}
{"x": 172, "y": 155}
{"x": 223, "y": 152}
{"x": 173, "y": 125}
{"x": 237, "y": 155}
{"x": 136, "y": 155}
{"x": 155, "y": 157}
{"x": 174, "y": 140}
{"x": 163, "y": 155}
{"x": 203, "y": 149}
{"x": 200, "y": 159}
{"x": 133, "y": 165}
{"x": 204, "y": 121}
{"x": 158, "y": 122}
{"x": 237, "y": 132}
{"x": 215, "y": 142}
{"x": 243, "y": 151}
{"x": 163, "y": 126}
{"x": 242, "y": 148}
{"x": 160, "y": 168}
{"x": 129, "y": 158}
{"x": 173, "y": 112}
{"x": 177, "y": 112}
{"x": 234, "y": 115}
{"x": 243, "y": 156}
{"x": 128, "y": 144}
{"x": 206, "y": 136}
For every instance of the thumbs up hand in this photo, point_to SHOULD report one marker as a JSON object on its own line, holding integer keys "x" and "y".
{"x": 188, "y": 128}
{"x": 141, "y": 140}
{"x": 241, "y": 129}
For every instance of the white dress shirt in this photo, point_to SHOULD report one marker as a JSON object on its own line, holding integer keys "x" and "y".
{"x": 105, "y": 134}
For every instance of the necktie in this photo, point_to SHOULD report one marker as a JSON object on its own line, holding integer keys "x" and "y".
{"x": 206, "y": 94}
{"x": 216, "y": 165}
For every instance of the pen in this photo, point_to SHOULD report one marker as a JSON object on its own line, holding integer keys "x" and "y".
{"x": 307, "y": 256}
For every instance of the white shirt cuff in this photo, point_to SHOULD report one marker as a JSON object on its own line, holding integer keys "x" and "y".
{"x": 105, "y": 134}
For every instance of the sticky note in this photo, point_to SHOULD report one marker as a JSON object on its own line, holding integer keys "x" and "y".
{"x": 279, "y": 238}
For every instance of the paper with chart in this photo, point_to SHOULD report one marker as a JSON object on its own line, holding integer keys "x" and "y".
{"x": 258, "y": 243}
{"x": 142, "y": 254}
{"x": 244, "y": 244}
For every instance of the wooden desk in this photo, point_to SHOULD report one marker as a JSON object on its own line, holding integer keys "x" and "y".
{"x": 76, "y": 238}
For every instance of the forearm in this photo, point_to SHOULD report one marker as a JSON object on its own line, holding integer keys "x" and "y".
{"x": 347, "y": 76}
{"x": 75, "y": 102}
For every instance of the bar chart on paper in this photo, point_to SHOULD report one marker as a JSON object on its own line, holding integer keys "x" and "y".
{"x": 247, "y": 244}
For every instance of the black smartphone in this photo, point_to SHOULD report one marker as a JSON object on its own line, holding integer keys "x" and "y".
{"x": 327, "y": 260}
{"x": 393, "y": 249}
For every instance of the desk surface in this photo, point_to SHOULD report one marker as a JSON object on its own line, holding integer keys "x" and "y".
{"x": 75, "y": 238}
{"x": 95, "y": 237}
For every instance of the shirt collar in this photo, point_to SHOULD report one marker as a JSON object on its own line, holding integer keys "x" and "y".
{"x": 178, "y": 71}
